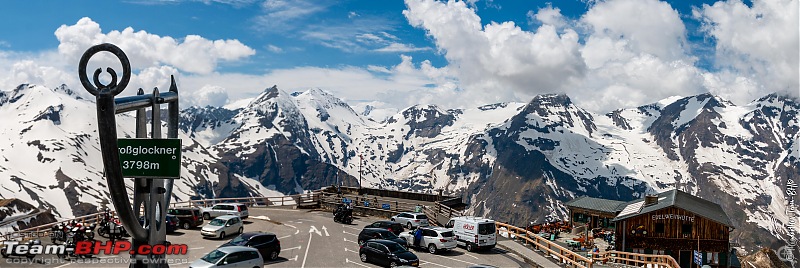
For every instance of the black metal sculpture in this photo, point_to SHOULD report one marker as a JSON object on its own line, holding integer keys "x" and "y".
{"x": 151, "y": 194}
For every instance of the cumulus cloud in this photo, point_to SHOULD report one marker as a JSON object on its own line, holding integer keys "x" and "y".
{"x": 630, "y": 52}
{"x": 207, "y": 95}
{"x": 400, "y": 47}
{"x": 193, "y": 54}
{"x": 499, "y": 57}
{"x": 757, "y": 45}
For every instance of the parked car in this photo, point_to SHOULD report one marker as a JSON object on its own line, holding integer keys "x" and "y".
{"x": 188, "y": 217}
{"x": 434, "y": 239}
{"x": 222, "y": 226}
{"x": 411, "y": 220}
{"x": 230, "y": 257}
{"x": 172, "y": 223}
{"x": 387, "y": 252}
{"x": 474, "y": 232}
{"x": 266, "y": 243}
{"x": 378, "y": 233}
{"x": 393, "y": 227}
{"x": 217, "y": 210}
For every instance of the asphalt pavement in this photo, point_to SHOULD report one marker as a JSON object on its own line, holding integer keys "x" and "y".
{"x": 309, "y": 238}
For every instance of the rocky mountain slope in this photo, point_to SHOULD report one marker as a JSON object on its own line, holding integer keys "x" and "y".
{"x": 516, "y": 162}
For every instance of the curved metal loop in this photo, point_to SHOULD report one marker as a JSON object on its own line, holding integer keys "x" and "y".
{"x": 99, "y": 88}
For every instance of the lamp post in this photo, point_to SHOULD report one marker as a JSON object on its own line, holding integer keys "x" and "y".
{"x": 360, "y": 162}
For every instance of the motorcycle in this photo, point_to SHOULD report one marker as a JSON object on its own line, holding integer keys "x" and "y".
{"x": 344, "y": 215}
{"x": 28, "y": 255}
{"x": 76, "y": 234}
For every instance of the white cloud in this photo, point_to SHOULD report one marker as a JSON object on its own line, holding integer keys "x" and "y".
{"x": 631, "y": 52}
{"x": 352, "y": 14}
{"x": 194, "y": 54}
{"x": 500, "y": 60}
{"x": 274, "y": 48}
{"x": 281, "y": 15}
{"x": 757, "y": 44}
{"x": 400, "y": 47}
{"x": 207, "y": 95}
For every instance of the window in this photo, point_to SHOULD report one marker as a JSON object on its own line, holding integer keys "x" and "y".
{"x": 713, "y": 257}
{"x": 250, "y": 255}
{"x": 659, "y": 228}
{"x": 486, "y": 228}
{"x": 686, "y": 228}
{"x": 422, "y": 217}
{"x": 659, "y": 252}
{"x": 234, "y": 258}
{"x": 448, "y": 234}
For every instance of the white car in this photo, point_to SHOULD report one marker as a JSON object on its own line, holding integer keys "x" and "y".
{"x": 217, "y": 210}
{"x": 411, "y": 220}
{"x": 434, "y": 239}
{"x": 223, "y": 226}
{"x": 236, "y": 256}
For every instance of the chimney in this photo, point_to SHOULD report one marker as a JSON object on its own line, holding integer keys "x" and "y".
{"x": 650, "y": 200}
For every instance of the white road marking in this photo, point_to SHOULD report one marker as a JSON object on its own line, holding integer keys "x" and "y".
{"x": 456, "y": 260}
{"x": 261, "y": 217}
{"x": 297, "y": 247}
{"x": 296, "y": 231}
{"x": 294, "y": 259}
{"x": 427, "y": 262}
{"x": 345, "y": 240}
{"x": 343, "y": 231}
{"x": 346, "y": 260}
{"x": 470, "y": 255}
{"x": 197, "y": 248}
{"x": 290, "y": 226}
{"x": 354, "y": 228}
{"x": 314, "y": 229}
{"x": 348, "y": 250}
{"x": 326, "y": 230}
{"x": 64, "y": 265}
{"x": 310, "y": 235}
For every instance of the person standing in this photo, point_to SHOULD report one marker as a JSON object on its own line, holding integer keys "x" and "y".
{"x": 418, "y": 237}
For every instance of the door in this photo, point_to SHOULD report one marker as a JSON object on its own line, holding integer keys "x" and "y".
{"x": 259, "y": 242}
{"x": 216, "y": 210}
{"x": 685, "y": 258}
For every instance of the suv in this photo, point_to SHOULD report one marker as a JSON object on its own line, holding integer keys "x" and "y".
{"x": 393, "y": 227}
{"x": 378, "y": 233}
{"x": 217, "y": 210}
{"x": 188, "y": 217}
{"x": 266, "y": 243}
{"x": 411, "y": 220}
{"x": 433, "y": 239}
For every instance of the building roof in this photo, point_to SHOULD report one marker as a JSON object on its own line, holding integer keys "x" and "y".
{"x": 679, "y": 199}
{"x": 597, "y": 204}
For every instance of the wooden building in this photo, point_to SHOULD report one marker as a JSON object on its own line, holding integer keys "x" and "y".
{"x": 675, "y": 223}
{"x": 597, "y": 212}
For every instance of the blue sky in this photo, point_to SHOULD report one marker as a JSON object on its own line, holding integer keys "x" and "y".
{"x": 391, "y": 54}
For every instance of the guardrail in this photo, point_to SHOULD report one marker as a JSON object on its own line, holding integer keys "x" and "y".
{"x": 375, "y": 203}
{"x": 287, "y": 200}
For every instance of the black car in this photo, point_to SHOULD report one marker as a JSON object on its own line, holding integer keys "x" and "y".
{"x": 385, "y": 252}
{"x": 393, "y": 227}
{"x": 172, "y": 223}
{"x": 188, "y": 217}
{"x": 267, "y": 243}
{"x": 378, "y": 233}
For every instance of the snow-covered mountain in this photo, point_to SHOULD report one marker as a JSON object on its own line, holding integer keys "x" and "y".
{"x": 516, "y": 162}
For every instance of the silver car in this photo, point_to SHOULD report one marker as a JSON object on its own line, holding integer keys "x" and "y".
{"x": 411, "y": 220}
{"x": 230, "y": 257}
{"x": 217, "y": 210}
{"x": 434, "y": 239}
{"x": 223, "y": 226}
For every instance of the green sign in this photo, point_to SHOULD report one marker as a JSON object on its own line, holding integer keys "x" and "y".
{"x": 150, "y": 158}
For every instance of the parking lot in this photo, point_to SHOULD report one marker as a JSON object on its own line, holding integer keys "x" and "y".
{"x": 308, "y": 239}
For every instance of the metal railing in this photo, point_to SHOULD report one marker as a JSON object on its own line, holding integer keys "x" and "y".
{"x": 45, "y": 228}
{"x": 375, "y": 203}
{"x": 287, "y": 200}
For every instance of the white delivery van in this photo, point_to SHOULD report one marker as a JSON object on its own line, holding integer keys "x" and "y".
{"x": 473, "y": 232}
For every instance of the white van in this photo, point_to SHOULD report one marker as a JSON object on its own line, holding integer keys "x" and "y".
{"x": 473, "y": 232}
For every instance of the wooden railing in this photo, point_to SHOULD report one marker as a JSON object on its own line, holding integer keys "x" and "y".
{"x": 375, "y": 203}
{"x": 636, "y": 259}
{"x": 550, "y": 248}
